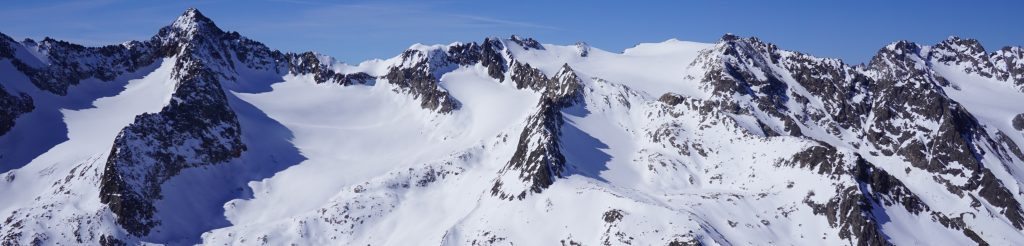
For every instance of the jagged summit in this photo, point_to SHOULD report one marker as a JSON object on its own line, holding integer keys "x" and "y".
{"x": 190, "y": 27}
{"x": 192, "y": 21}
{"x": 728, "y": 37}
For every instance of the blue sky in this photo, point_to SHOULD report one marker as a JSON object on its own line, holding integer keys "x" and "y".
{"x": 358, "y": 30}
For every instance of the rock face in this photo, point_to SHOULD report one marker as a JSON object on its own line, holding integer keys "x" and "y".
{"x": 876, "y": 102}
{"x": 309, "y": 63}
{"x": 12, "y": 106}
{"x": 538, "y": 159}
{"x": 733, "y": 144}
{"x": 70, "y": 63}
{"x": 417, "y": 77}
{"x": 1018, "y": 122}
{"x": 197, "y": 128}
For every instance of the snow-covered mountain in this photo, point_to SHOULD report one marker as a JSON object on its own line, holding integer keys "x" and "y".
{"x": 202, "y": 136}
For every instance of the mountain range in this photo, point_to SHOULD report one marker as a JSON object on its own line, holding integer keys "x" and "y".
{"x": 203, "y": 136}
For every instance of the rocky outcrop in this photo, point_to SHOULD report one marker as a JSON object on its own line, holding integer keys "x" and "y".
{"x": 489, "y": 54}
{"x": 967, "y": 53}
{"x": 309, "y": 63}
{"x": 855, "y": 209}
{"x": 67, "y": 64}
{"x": 197, "y": 128}
{"x": 1018, "y": 122}
{"x": 744, "y": 67}
{"x": 418, "y": 71}
{"x": 956, "y": 147}
{"x": 527, "y": 43}
{"x": 538, "y": 159}
{"x": 1006, "y": 64}
{"x": 527, "y": 77}
{"x": 896, "y": 105}
{"x": 12, "y": 106}
{"x": 1011, "y": 61}
{"x": 416, "y": 77}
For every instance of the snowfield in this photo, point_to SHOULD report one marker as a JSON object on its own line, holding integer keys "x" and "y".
{"x": 201, "y": 136}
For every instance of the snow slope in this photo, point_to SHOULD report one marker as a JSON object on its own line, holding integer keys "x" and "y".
{"x": 202, "y": 136}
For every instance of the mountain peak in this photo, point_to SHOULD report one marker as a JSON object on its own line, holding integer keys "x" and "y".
{"x": 192, "y": 15}
{"x": 729, "y": 37}
{"x": 193, "y": 22}
{"x": 901, "y": 47}
{"x": 957, "y": 44}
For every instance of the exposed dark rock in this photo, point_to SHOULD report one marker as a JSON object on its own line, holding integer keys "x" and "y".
{"x": 565, "y": 88}
{"x": 822, "y": 159}
{"x": 488, "y": 54}
{"x": 420, "y": 82}
{"x": 491, "y": 58}
{"x": 309, "y": 63}
{"x": 538, "y": 159}
{"x": 612, "y": 216}
{"x": 12, "y": 106}
{"x": 537, "y": 163}
{"x": 527, "y": 43}
{"x": 108, "y": 240}
{"x": 855, "y": 209}
{"x": 71, "y": 63}
{"x": 886, "y": 189}
{"x": 690, "y": 242}
{"x": 671, "y": 99}
{"x": 743, "y": 67}
{"x": 910, "y": 93}
{"x": 465, "y": 54}
{"x": 197, "y": 128}
{"x": 966, "y": 52}
{"x": 974, "y": 237}
{"x": 843, "y": 91}
{"x": 1018, "y": 122}
{"x": 6, "y": 46}
{"x": 992, "y": 190}
{"x": 525, "y": 76}
{"x": 1009, "y": 63}
{"x": 851, "y": 213}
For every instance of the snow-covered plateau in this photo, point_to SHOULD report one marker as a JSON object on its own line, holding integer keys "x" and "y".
{"x": 203, "y": 136}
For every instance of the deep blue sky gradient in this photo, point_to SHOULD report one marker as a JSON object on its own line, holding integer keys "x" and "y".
{"x": 353, "y": 31}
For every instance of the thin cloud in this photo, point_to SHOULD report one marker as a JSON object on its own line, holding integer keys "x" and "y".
{"x": 505, "y": 22}
{"x": 390, "y": 16}
{"x": 51, "y": 9}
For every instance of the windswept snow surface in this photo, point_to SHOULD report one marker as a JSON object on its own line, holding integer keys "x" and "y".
{"x": 355, "y": 133}
{"x": 655, "y": 68}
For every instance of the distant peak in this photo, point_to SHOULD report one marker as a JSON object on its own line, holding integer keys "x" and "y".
{"x": 728, "y": 37}
{"x": 733, "y": 38}
{"x": 193, "y": 21}
{"x": 192, "y": 15}
{"x": 903, "y": 45}
{"x": 956, "y": 41}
